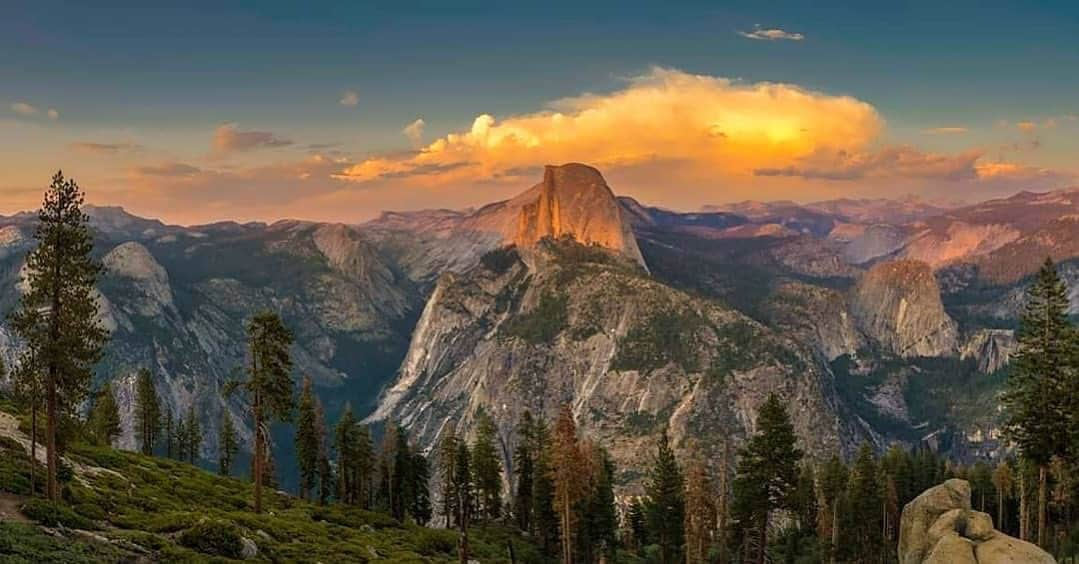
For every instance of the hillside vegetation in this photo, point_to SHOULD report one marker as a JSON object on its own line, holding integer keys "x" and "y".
{"x": 120, "y": 506}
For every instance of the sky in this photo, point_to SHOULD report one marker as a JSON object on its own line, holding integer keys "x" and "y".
{"x": 202, "y": 111}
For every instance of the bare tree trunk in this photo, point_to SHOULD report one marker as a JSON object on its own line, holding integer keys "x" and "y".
{"x": 52, "y": 491}
{"x": 258, "y": 454}
{"x": 33, "y": 444}
{"x": 835, "y": 527}
{"x": 1024, "y": 510}
{"x": 1043, "y": 517}
{"x": 1000, "y": 509}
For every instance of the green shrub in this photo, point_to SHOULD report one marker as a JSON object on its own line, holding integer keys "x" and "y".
{"x": 542, "y": 324}
{"x": 217, "y": 538}
{"x": 53, "y": 514}
{"x": 666, "y": 337}
{"x": 435, "y": 542}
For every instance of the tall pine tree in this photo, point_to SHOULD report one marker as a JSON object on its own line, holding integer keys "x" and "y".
{"x": 767, "y": 476}
{"x": 105, "y": 416}
{"x": 57, "y": 315}
{"x": 267, "y": 388}
{"x": 307, "y": 440}
{"x": 228, "y": 444}
{"x": 487, "y": 468}
{"x": 665, "y": 507}
{"x": 568, "y": 472}
{"x": 147, "y": 411}
{"x": 700, "y": 513}
{"x": 1043, "y": 390}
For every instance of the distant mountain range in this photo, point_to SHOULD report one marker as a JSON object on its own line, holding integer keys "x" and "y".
{"x": 875, "y": 320}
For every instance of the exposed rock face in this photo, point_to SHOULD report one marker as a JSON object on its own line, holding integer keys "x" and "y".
{"x": 574, "y": 201}
{"x": 815, "y": 315}
{"x": 629, "y": 354}
{"x": 938, "y": 527}
{"x": 991, "y": 348}
{"x": 898, "y": 304}
{"x": 132, "y": 261}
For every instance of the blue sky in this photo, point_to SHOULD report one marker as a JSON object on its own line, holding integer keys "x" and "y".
{"x": 165, "y": 77}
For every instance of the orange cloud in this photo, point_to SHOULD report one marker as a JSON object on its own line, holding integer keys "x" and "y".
{"x": 890, "y": 162}
{"x": 229, "y": 138}
{"x": 703, "y": 123}
{"x": 952, "y": 130}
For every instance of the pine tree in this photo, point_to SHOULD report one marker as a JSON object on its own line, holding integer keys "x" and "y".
{"x": 462, "y": 480}
{"x": 105, "y": 416}
{"x": 767, "y": 474}
{"x": 363, "y": 467}
{"x": 170, "y": 434}
{"x": 804, "y": 499}
{"x": 524, "y": 471}
{"x": 862, "y": 519}
{"x": 268, "y": 386}
{"x": 194, "y": 435}
{"x": 1004, "y": 484}
{"x": 147, "y": 411}
{"x": 700, "y": 513}
{"x": 568, "y": 474}
{"x": 307, "y": 440}
{"x": 447, "y": 468}
{"x": 598, "y": 536}
{"x": 181, "y": 438}
{"x": 228, "y": 444}
{"x": 57, "y": 315}
{"x": 666, "y": 505}
{"x": 638, "y": 526}
{"x": 28, "y": 385}
{"x": 544, "y": 516}
{"x": 486, "y": 468}
{"x": 325, "y": 472}
{"x": 403, "y": 479}
{"x": 1042, "y": 397}
{"x": 833, "y": 485}
{"x": 344, "y": 438}
{"x": 420, "y": 507}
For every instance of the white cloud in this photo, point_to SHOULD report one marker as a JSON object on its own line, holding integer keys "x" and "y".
{"x": 772, "y": 34}
{"x": 229, "y": 138}
{"x": 53, "y": 114}
{"x": 350, "y": 99}
{"x": 414, "y": 132}
{"x": 24, "y": 109}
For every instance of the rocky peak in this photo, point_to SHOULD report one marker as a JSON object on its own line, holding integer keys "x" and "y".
{"x": 574, "y": 200}
{"x": 898, "y": 304}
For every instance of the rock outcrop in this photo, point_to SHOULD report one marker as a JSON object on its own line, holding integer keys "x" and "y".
{"x": 990, "y": 348}
{"x": 939, "y": 527}
{"x": 574, "y": 201}
{"x": 898, "y": 304}
{"x": 630, "y": 355}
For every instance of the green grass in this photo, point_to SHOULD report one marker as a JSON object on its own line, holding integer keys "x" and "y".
{"x": 175, "y": 512}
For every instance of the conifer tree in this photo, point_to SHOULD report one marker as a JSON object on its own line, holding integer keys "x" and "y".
{"x": 862, "y": 519}
{"x": 700, "y": 513}
{"x": 598, "y": 536}
{"x": 544, "y": 515}
{"x": 1042, "y": 395}
{"x": 447, "y": 468}
{"x": 228, "y": 444}
{"x": 767, "y": 474}
{"x": 1004, "y": 484}
{"x": 462, "y": 480}
{"x": 344, "y": 438}
{"x": 524, "y": 462}
{"x": 28, "y": 386}
{"x": 665, "y": 504}
{"x": 486, "y": 468}
{"x": 833, "y": 484}
{"x": 57, "y": 314}
{"x": 638, "y": 525}
{"x": 267, "y": 389}
{"x": 194, "y": 435}
{"x": 420, "y": 507}
{"x": 147, "y": 411}
{"x": 325, "y": 471}
{"x": 170, "y": 434}
{"x": 181, "y": 438}
{"x": 804, "y": 498}
{"x": 363, "y": 467}
{"x": 568, "y": 474}
{"x": 307, "y": 440}
{"x": 105, "y": 416}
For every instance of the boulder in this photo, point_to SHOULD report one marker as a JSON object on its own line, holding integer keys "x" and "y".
{"x": 938, "y": 527}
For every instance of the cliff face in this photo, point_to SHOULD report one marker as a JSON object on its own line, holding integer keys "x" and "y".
{"x": 990, "y": 348}
{"x": 574, "y": 201}
{"x": 898, "y": 304}
{"x": 630, "y": 355}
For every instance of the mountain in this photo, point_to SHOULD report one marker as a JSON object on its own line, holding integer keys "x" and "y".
{"x": 892, "y": 320}
{"x": 546, "y": 321}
